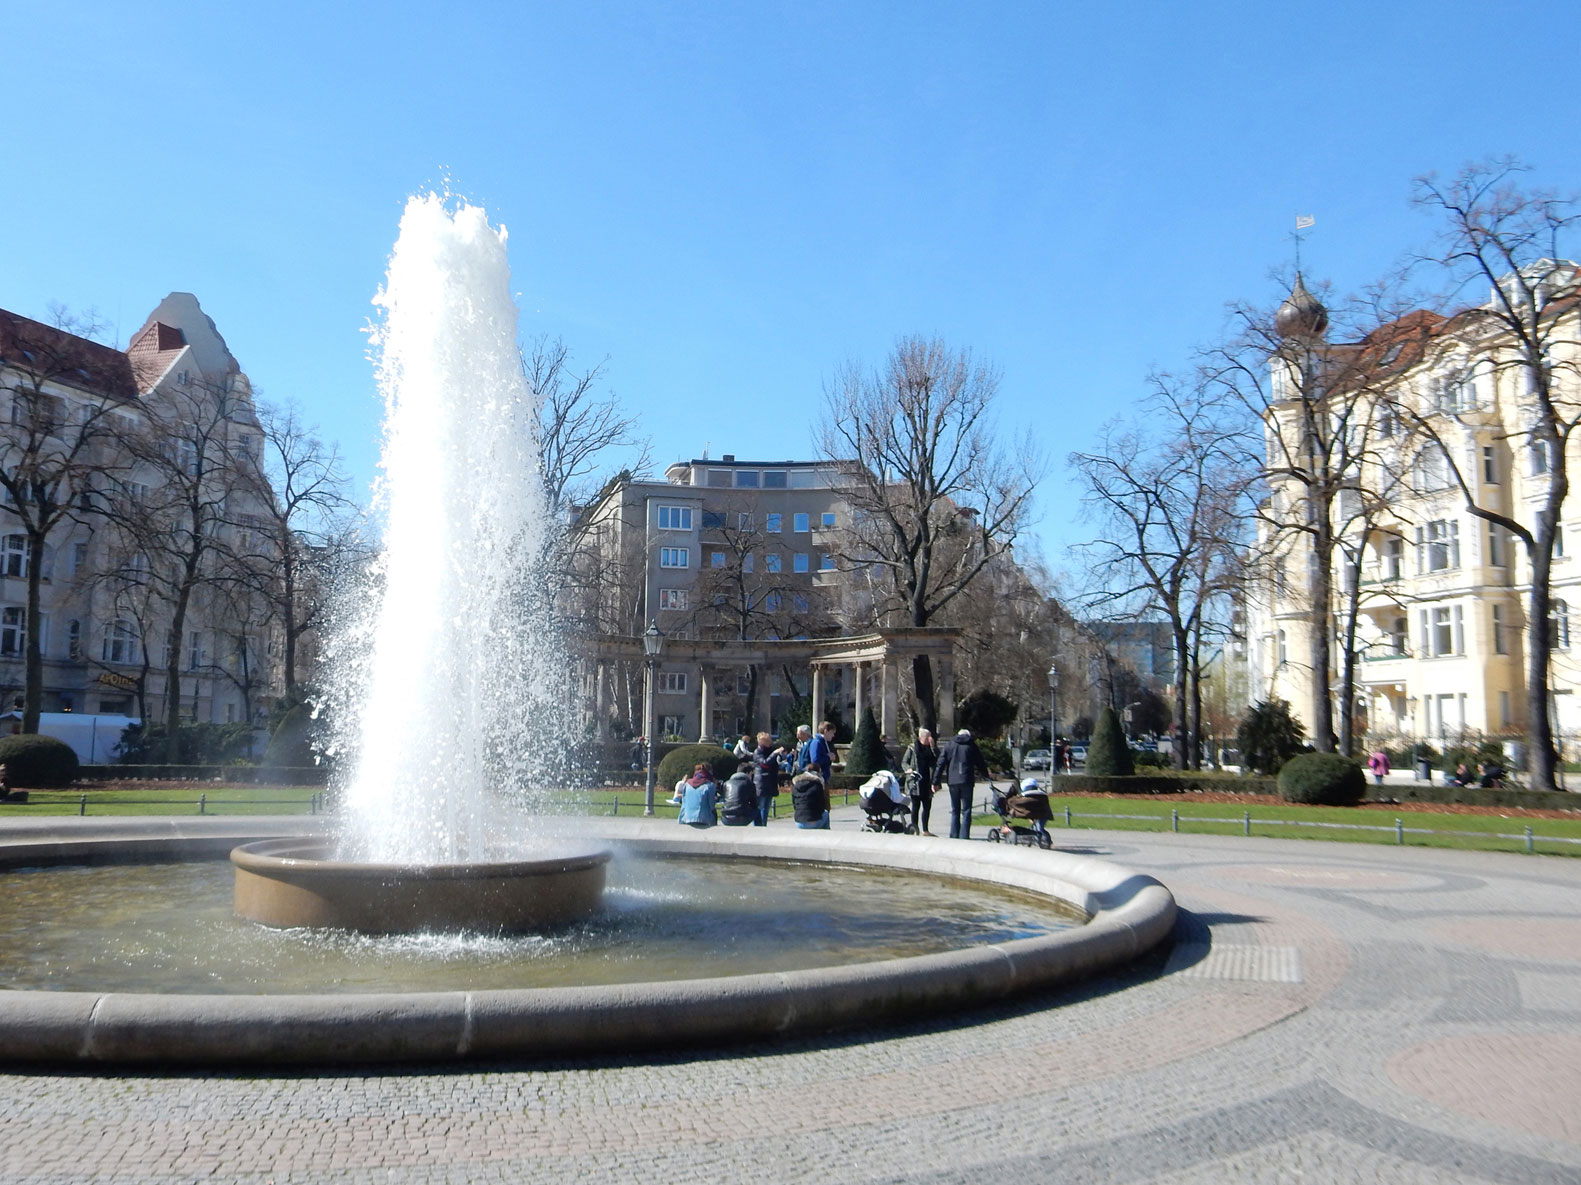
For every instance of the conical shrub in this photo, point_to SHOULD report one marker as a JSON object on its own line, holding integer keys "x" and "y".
{"x": 866, "y": 754}
{"x": 1108, "y": 756}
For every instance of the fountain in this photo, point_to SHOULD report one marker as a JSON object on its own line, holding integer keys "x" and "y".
{"x": 447, "y": 714}
{"x": 447, "y": 683}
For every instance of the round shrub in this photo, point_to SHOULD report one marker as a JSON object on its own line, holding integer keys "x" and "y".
{"x": 1323, "y": 779}
{"x": 33, "y": 760}
{"x": 678, "y": 763}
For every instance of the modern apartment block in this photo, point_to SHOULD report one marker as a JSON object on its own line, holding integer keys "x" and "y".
{"x": 1424, "y": 412}
{"x": 126, "y": 435}
{"x": 723, "y": 550}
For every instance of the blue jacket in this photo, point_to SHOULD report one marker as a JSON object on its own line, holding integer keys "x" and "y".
{"x": 697, "y": 804}
{"x": 819, "y": 757}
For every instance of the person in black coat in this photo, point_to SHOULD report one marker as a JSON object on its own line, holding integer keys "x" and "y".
{"x": 921, "y": 759}
{"x": 960, "y": 762}
{"x": 741, "y": 798}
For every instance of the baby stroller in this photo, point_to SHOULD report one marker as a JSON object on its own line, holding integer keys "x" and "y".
{"x": 1024, "y": 812}
{"x": 885, "y": 804}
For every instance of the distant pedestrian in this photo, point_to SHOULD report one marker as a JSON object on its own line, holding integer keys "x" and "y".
{"x": 1379, "y": 764}
{"x": 745, "y": 745}
{"x": 766, "y": 776}
{"x": 960, "y": 762}
{"x": 919, "y": 762}
{"x": 803, "y": 742}
{"x": 820, "y": 753}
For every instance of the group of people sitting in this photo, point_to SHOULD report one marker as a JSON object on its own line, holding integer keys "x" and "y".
{"x": 749, "y": 793}
{"x": 1489, "y": 775}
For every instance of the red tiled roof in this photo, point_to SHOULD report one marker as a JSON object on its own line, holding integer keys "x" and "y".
{"x": 53, "y": 354}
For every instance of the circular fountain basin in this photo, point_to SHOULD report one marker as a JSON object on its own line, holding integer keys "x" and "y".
{"x": 1127, "y": 914}
{"x": 295, "y": 882}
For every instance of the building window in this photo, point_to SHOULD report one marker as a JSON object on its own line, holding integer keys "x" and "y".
{"x": 800, "y": 561}
{"x": 672, "y": 598}
{"x": 1500, "y": 642}
{"x": 1441, "y": 631}
{"x": 675, "y": 518}
{"x": 1284, "y": 656}
{"x": 826, "y": 564}
{"x": 13, "y": 631}
{"x": 1495, "y": 545}
{"x": 828, "y": 518}
{"x": 195, "y": 655}
{"x": 747, "y": 479}
{"x": 1490, "y": 465}
{"x": 774, "y": 479}
{"x": 1504, "y": 709}
{"x": 800, "y": 601}
{"x": 672, "y": 683}
{"x": 1539, "y": 455}
{"x": 120, "y": 642}
{"x": 1432, "y": 468}
{"x": 1393, "y": 557}
{"x": 1558, "y": 625}
{"x": 744, "y": 522}
{"x": 719, "y": 477}
{"x": 772, "y": 602}
{"x": 1438, "y": 545}
{"x": 713, "y": 520}
{"x": 1559, "y": 541}
{"x": 802, "y": 522}
{"x": 743, "y": 683}
{"x": 1397, "y": 636}
{"x": 13, "y": 561}
{"x": 670, "y": 726}
{"x": 74, "y": 639}
{"x": 771, "y": 561}
{"x": 716, "y": 559}
{"x": 79, "y": 558}
{"x": 771, "y": 523}
{"x": 675, "y": 557}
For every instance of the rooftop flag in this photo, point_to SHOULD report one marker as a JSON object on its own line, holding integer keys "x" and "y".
{"x": 1304, "y": 220}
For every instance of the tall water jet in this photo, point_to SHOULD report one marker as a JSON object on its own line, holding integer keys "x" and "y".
{"x": 447, "y": 681}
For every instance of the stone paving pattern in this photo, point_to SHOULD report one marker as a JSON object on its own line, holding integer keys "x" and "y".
{"x": 1417, "y": 1019}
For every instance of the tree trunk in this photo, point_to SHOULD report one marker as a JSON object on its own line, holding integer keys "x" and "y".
{"x": 1347, "y": 678}
{"x": 1182, "y": 641}
{"x": 1542, "y": 762}
{"x": 1322, "y": 586}
{"x": 927, "y": 705}
{"x": 33, "y": 651}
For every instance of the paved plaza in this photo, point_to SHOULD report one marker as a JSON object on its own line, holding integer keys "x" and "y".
{"x": 1329, "y": 1013}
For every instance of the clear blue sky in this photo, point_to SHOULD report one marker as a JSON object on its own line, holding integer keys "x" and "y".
{"x": 729, "y": 200}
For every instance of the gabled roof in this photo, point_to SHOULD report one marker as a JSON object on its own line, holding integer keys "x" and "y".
{"x": 51, "y": 354}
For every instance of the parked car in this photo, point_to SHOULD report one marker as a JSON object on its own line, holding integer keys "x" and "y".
{"x": 1037, "y": 759}
{"x": 1078, "y": 755}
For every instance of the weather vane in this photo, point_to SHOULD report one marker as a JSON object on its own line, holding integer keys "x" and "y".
{"x": 1303, "y": 222}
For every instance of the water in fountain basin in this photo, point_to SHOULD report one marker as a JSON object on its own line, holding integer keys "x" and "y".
{"x": 448, "y": 675}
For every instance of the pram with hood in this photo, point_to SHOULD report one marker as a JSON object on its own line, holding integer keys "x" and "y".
{"x": 885, "y": 804}
{"x": 1024, "y": 813}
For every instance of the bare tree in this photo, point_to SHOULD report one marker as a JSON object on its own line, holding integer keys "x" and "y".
{"x": 934, "y": 498}
{"x": 50, "y": 450}
{"x": 578, "y": 429}
{"x": 1508, "y": 245}
{"x": 1169, "y": 504}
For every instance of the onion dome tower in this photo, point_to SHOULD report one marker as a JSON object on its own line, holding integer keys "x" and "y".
{"x": 1302, "y": 316}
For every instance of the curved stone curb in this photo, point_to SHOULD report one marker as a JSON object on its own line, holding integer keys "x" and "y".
{"x": 1129, "y": 914}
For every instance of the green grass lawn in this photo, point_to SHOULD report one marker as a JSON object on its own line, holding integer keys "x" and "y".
{"x": 185, "y": 799}
{"x": 1307, "y": 822}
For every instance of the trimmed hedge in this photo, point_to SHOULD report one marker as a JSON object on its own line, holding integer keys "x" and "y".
{"x": 38, "y": 761}
{"x": 678, "y": 763}
{"x": 1537, "y": 800}
{"x": 1159, "y": 783}
{"x": 245, "y": 775}
{"x": 1322, "y": 779}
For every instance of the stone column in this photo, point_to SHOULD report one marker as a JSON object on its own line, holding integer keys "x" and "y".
{"x": 817, "y": 696}
{"x": 706, "y": 709}
{"x": 946, "y": 693}
{"x": 889, "y": 700}
{"x": 858, "y": 696}
{"x": 762, "y": 712}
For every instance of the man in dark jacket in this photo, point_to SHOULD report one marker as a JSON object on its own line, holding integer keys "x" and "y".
{"x": 919, "y": 763}
{"x": 741, "y": 798}
{"x": 765, "y": 776}
{"x": 960, "y": 761}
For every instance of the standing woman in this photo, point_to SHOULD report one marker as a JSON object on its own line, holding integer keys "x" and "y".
{"x": 920, "y": 761}
{"x": 766, "y": 776}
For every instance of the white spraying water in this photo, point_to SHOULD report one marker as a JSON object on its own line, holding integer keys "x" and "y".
{"x": 445, "y": 675}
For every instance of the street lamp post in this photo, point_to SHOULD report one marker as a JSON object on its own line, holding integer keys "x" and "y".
{"x": 652, "y": 647}
{"x": 1054, "y": 717}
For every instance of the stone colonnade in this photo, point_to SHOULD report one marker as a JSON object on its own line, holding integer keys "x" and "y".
{"x": 872, "y": 663}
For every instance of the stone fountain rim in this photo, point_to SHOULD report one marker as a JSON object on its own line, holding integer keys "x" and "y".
{"x": 1129, "y": 913}
{"x": 286, "y": 853}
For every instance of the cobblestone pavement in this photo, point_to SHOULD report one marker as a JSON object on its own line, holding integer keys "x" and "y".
{"x": 1328, "y": 1013}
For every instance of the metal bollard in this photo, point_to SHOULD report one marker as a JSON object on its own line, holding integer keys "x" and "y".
{"x": 1248, "y": 822}
{"x": 203, "y": 804}
{"x": 1067, "y": 814}
{"x": 1174, "y": 819}
{"x": 1399, "y": 832}
{"x": 1529, "y": 847}
{"x": 82, "y": 805}
{"x": 615, "y": 809}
